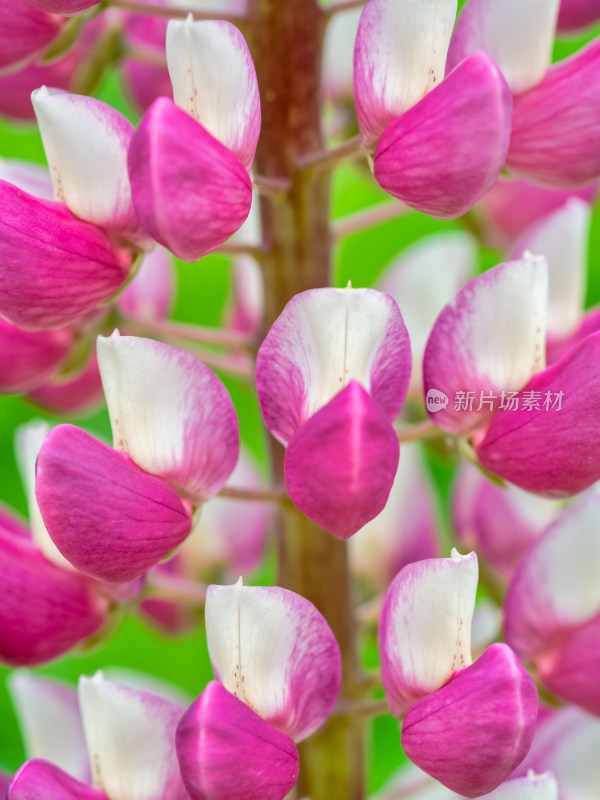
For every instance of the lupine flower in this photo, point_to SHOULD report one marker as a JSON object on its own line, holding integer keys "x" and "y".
{"x": 331, "y": 376}
{"x": 25, "y": 32}
{"x": 552, "y": 609}
{"x": 555, "y": 115}
{"x": 189, "y": 160}
{"x": 174, "y": 433}
{"x": 480, "y": 715}
{"x": 439, "y": 143}
{"x": 130, "y": 740}
{"x": 577, "y": 14}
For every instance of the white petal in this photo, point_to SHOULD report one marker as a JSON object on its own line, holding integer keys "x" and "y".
{"x": 214, "y": 80}
{"x": 517, "y": 34}
{"x": 131, "y": 741}
{"x": 533, "y": 787}
{"x": 50, "y": 722}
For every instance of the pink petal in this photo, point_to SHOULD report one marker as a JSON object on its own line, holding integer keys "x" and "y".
{"x": 567, "y": 438}
{"x": 340, "y": 465}
{"x": 442, "y": 155}
{"x": 144, "y": 81}
{"x": 170, "y": 413}
{"x": 214, "y": 80}
{"x": 16, "y": 87}
{"x": 490, "y": 340}
{"x": 483, "y": 722}
{"x": 577, "y": 14}
{"x": 72, "y": 394}
{"x": 24, "y": 31}
{"x": 28, "y": 358}
{"x": 40, "y": 780}
{"x": 517, "y": 34}
{"x": 425, "y": 627}
{"x": 322, "y": 340}
{"x": 64, "y": 6}
{"x": 130, "y": 736}
{"x": 275, "y": 651}
{"x": 227, "y": 751}
{"x": 126, "y": 521}
{"x": 190, "y": 193}
{"x": 399, "y": 56}
{"x": 44, "y": 610}
{"x": 556, "y": 124}
{"x": 53, "y": 266}
{"x": 150, "y": 294}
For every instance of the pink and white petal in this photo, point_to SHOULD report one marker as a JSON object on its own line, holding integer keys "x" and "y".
{"x": 170, "y": 413}
{"x": 556, "y": 125}
{"x": 490, "y": 339}
{"x": 517, "y": 34}
{"x": 150, "y": 295}
{"x": 405, "y": 531}
{"x": 41, "y": 780}
{"x": 44, "y": 707}
{"x": 66, "y": 7}
{"x": 274, "y": 650}
{"x": 341, "y": 463}
{"x": 570, "y": 669}
{"x": 190, "y": 192}
{"x": 227, "y": 752}
{"x": 565, "y": 430}
{"x": 562, "y": 237}
{"x": 443, "y": 154}
{"x": 44, "y": 610}
{"x": 425, "y": 627}
{"x": 214, "y": 80}
{"x": 247, "y": 310}
{"x": 483, "y": 721}
{"x": 399, "y": 56}
{"x": 31, "y": 178}
{"x": 577, "y": 14}
{"x": 555, "y": 587}
{"x": 127, "y": 520}
{"x": 499, "y": 522}
{"x": 80, "y": 393}
{"x": 422, "y": 280}
{"x": 338, "y": 54}
{"x": 28, "y": 358}
{"x": 53, "y": 266}
{"x": 25, "y": 32}
{"x": 86, "y": 143}
{"x": 131, "y": 741}
{"x": 322, "y": 340}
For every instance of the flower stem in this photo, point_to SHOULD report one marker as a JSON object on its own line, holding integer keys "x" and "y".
{"x": 368, "y": 217}
{"x": 273, "y": 495}
{"x": 172, "y": 12}
{"x": 220, "y": 337}
{"x": 419, "y": 432}
{"x": 324, "y": 160}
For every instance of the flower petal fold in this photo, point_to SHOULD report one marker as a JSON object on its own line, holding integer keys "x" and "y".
{"x": 131, "y": 741}
{"x": 227, "y": 752}
{"x": 483, "y": 721}
{"x": 517, "y": 34}
{"x": 126, "y": 520}
{"x": 41, "y": 780}
{"x": 340, "y": 465}
{"x": 274, "y": 650}
{"x": 322, "y": 340}
{"x": 190, "y": 192}
{"x": 44, "y": 610}
{"x": 552, "y": 447}
{"x": 86, "y": 143}
{"x": 490, "y": 339}
{"x": 399, "y": 56}
{"x": 169, "y": 413}
{"x": 53, "y": 266}
{"x": 443, "y": 154}
{"x": 214, "y": 80}
{"x": 425, "y": 627}
{"x": 556, "y": 125}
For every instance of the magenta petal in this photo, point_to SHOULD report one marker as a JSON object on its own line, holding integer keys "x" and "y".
{"x": 556, "y": 125}
{"x": 53, "y": 266}
{"x": 577, "y": 14}
{"x": 227, "y": 752}
{"x": 442, "y": 155}
{"x": 126, "y": 520}
{"x": 27, "y": 358}
{"x": 74, "y": 394}
{"x": 190, "y": 192}
{"x": 340, "y": 465}
{"x": 64, "y": 6}
{"x": 482, "y": 721}
{"x": 44, "y": 609}
{"x": 24, "y": 31}
{"x": 551, "y": 451}
{"x": 40, "y": 780}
